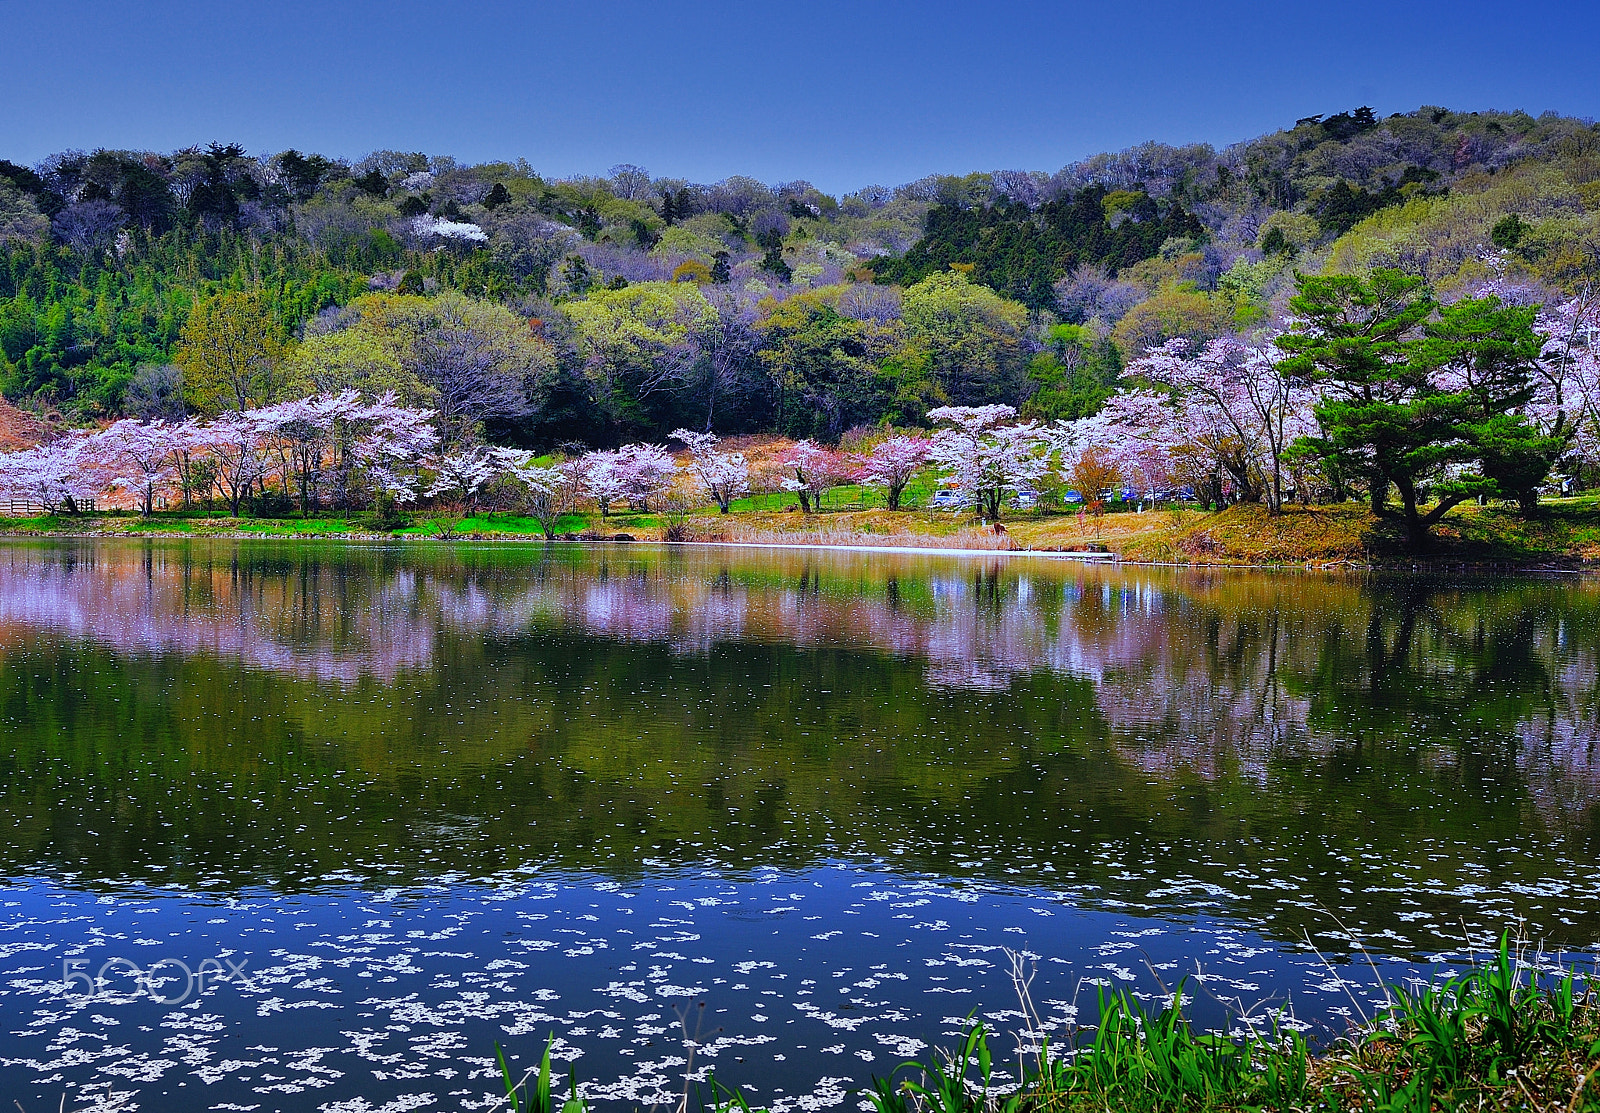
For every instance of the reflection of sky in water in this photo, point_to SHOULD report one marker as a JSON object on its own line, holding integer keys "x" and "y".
{"x": 561, "y": 791}
{"x": 393, "y": 999}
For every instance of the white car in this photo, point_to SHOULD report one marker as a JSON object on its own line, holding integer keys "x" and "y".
{"x": 945, "y": 498}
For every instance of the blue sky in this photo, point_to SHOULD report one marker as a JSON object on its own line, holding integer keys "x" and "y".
{"x": 842, "y": 94}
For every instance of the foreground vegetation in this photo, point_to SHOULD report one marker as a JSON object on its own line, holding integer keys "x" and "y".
{"x": 1490, "y": 1039}
{"x": 1498, "y": 1037}
{"x": 1564, "y": 533}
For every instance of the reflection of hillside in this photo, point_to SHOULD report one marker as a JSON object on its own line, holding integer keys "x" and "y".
{"x": 1208, "y": 672}
{"x": 281, "y": 713}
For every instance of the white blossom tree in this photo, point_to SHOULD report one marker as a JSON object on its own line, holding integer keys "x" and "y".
{"x": 461, "y": 475}
{"x": 143, "y": 456}
{"x": 605, "y": 478}
{"x": 988, "y": 458}
{"x": 58, "y": 476}
{"x": 724, "y": 475}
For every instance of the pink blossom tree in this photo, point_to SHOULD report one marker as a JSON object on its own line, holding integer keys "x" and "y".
{"x": 648, "y": 473}
{"x": 817, "y": 470}
{"x": 1566, "y": 401}
{"x": 1237, "y": 402}
{"x": 892, "y": 464}
{"x": 58, "y": 476}
{"x": 237, "y": 443}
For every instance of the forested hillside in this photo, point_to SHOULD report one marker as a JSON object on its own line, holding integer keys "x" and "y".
{"x": 549, "y": 311}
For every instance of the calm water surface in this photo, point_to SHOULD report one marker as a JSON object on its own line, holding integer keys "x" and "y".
{"x": 311, "y": 827}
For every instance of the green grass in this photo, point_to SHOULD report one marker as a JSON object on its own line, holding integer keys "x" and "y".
{"x": 1563, "y": 532}
{"x": 1498, "y": 1037}
{"x": 1495, "y": 1038}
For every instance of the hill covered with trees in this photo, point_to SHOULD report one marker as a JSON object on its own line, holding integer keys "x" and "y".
{"x": 546, "y": 311}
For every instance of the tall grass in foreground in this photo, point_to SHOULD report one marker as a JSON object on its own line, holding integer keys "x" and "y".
{"x": 1498, "y": 1037}
{"x": 1495, "y": 1038}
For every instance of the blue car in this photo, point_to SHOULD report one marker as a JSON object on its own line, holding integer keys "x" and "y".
{"x": 1072, "y": 496}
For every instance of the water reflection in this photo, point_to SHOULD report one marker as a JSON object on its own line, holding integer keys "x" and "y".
{"x": 374, "y": 742}
{"x": 1402, "y": 751}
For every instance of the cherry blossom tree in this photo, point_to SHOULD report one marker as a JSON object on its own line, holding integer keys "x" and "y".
{"x": 549, "y": 490}
{"x": 649, "y": 472}
{"x": 891, "y": 465}
{"x": 144, "y": 456}
{"x": 297, "y": 439}
{"x": 724, "y": 475}
{"x": 461, "y": 475}
{"x": 1566, "y": 401}
{"x": 237, "y": 444}
{"x": 988, "y": 458}
{"x": 605, "y": 478}
{"x": 349, "y": 448}
{"x": 1236, "y": 401}
{"x": 1138, "y": 435}
{"x": 58, "y": 476}
{"x": 817, "y": 470}
{"x": 393, "y": 441}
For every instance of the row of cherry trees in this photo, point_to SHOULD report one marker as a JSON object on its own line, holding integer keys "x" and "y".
{"x": 1233, "y": 419}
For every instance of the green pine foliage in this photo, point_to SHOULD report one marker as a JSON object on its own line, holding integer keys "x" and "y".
{"x": 1022, "y": 252}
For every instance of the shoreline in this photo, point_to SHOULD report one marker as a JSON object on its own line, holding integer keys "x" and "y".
{"x": 1415, "y": 564}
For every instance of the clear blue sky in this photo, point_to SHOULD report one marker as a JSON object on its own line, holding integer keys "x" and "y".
{"x": 843, "y": 94}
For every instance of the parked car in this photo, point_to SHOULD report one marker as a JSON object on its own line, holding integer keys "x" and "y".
{"x": 945, "y": 498}
{"x": 1024, "y": 499}
{"x": 1072, "y": 496}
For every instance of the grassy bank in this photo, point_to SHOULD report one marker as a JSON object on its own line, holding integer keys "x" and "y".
{"x": 1495, "y": 1038}
{"x": 1498, "y": 1037}
{"x": 1564, "y": 533}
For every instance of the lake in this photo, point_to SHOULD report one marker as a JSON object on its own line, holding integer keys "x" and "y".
{"x": 313, "y": 826}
